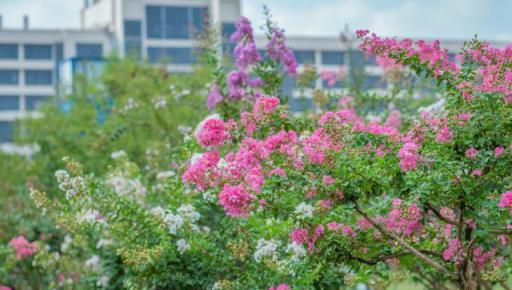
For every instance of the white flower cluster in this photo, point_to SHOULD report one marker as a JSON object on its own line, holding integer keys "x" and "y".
{"x": 93, "y": 263}
{"x": 160, "y": 102}
{"x": 90, "y": 216}
{"x": 304, "y": 211}
{"x": 165, "y": 174}
{"x": 102, "y": 243}
{"x": 266, "y": 249}
{"x": 174, "y": 222}
{"x": 185, "y": 214}
{"x": 118, "y": 155}
{"x": 297, "y": 251}
{"x": 64, "y": 247}
{"x": 71, "y": 186}
{"x": 182, "y": 245}
{"x": 103, "y": 281}
{"x": 129, "y": 105}
{"x": 162, "y": 180}
{"x": 127, "y": 187}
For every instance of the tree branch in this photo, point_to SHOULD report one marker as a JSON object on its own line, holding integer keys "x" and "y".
{"x": 406, "y": 245}
{"x": 439, "y": 215}
{"x": 380, "y": 258}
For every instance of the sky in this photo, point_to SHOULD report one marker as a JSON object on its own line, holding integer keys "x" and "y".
{"x": 456, "y": 19}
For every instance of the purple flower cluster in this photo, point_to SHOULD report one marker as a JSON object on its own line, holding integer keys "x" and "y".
{"x": 278, "y": 51}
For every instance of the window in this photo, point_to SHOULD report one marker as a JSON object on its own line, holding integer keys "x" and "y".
{"x": 38, "y": 51}
{"x": 6, "y": 131}
{"x": 154, "y": 19}
{"x": 33, "y": 103}
{"x": 357, "y": 59}
{"x": 133, "y": 42}
{"x": 9, "y": 77}
{"x": 132, "y": 28}
{"x": 336, "y": 84}
{"x": 176, "y": 25}
{"x": 304, "y": 56}
{"x": 8, "y": 51}
{"x": 228, "y": 29}
{"x": 38, "y": 77}
{"x": 373, "y": 82}
{"x": 199, "y": 17}
{"x": 333, "y": 57}
{"x": 177, "y": 55}
{"x": 9, "y": 103}
{"x": 173, "y": 22}
{"x": 89, "y": 50}
{"x": 133, "y": 49}
{"x": 59, "y": 51}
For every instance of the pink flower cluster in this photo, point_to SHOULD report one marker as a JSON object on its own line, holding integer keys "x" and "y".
{"x": 265, "y": 105}
{"x": 23, "y": 248}
{"x": 506, "y": 201}
{"x": 404, "y": 220}
{"x": 212, "y": 132}
{"x": 409, "y": 156}
{"x": 235, "y": 200}
{"x": 318, "y": 145}
{"x": 454, "y": 252}
{"x": 280, "y": 287}
{"x": 203, "y": 172}
{"x": 300, "y": 236}
{"x": 444, "y": 135}
{"x": 430, "y": 53}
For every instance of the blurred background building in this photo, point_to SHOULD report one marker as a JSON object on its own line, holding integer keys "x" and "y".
{"x": 36, "y": 64}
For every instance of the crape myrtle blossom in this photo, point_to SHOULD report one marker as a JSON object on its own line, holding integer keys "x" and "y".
{"x": 212, "y": 131}
{"x": 280, "y": 287}
{"x": 506, "y": 201}
{"x": 23, "y": 247}
{"x": 244, "y": 82}
{"x": 277, "y": 50}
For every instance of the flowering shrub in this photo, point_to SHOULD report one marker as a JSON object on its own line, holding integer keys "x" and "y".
{"x": 260, "y": 198}
{"x": 438, "y": 193}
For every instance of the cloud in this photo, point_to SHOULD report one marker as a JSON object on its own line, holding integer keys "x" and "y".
{"x": 42, "y": 13}
{"x": 459, "y": 19}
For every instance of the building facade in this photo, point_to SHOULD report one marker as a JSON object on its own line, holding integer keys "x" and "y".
{"x": 36, "y": 64}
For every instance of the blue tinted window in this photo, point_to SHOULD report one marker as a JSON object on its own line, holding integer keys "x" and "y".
{"x": 132, "y": 28}
{"x": 59, "y": 54}
{"x": 371, "y": 60}
{"x": 174, "y": 22}
{"x": 38, "y": 51}
{"x": 38, "y": 77}
{"x": 33, "y": 103}
{"x": 154, "y": 19}
{"x": 451, "y": 57}
{"x": 133, "y": 48}
{"x": 198, "y": 19}
{"x": 8, "y": 51}
{"x": 304, "y": 56}
{"x": 373, "y": 82}
{"x": 9, "y": 77}
{"x": 228, "y": 29}
{"x": 337, "y": 84}
{"x": 9, "y": 103}
{"x": 333, "y": 57}
{"x": 177, "y": 55}
{"x": 6, "y": 131}
{"x": 89, "y": 50}
{"x": 357, "y": 59}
